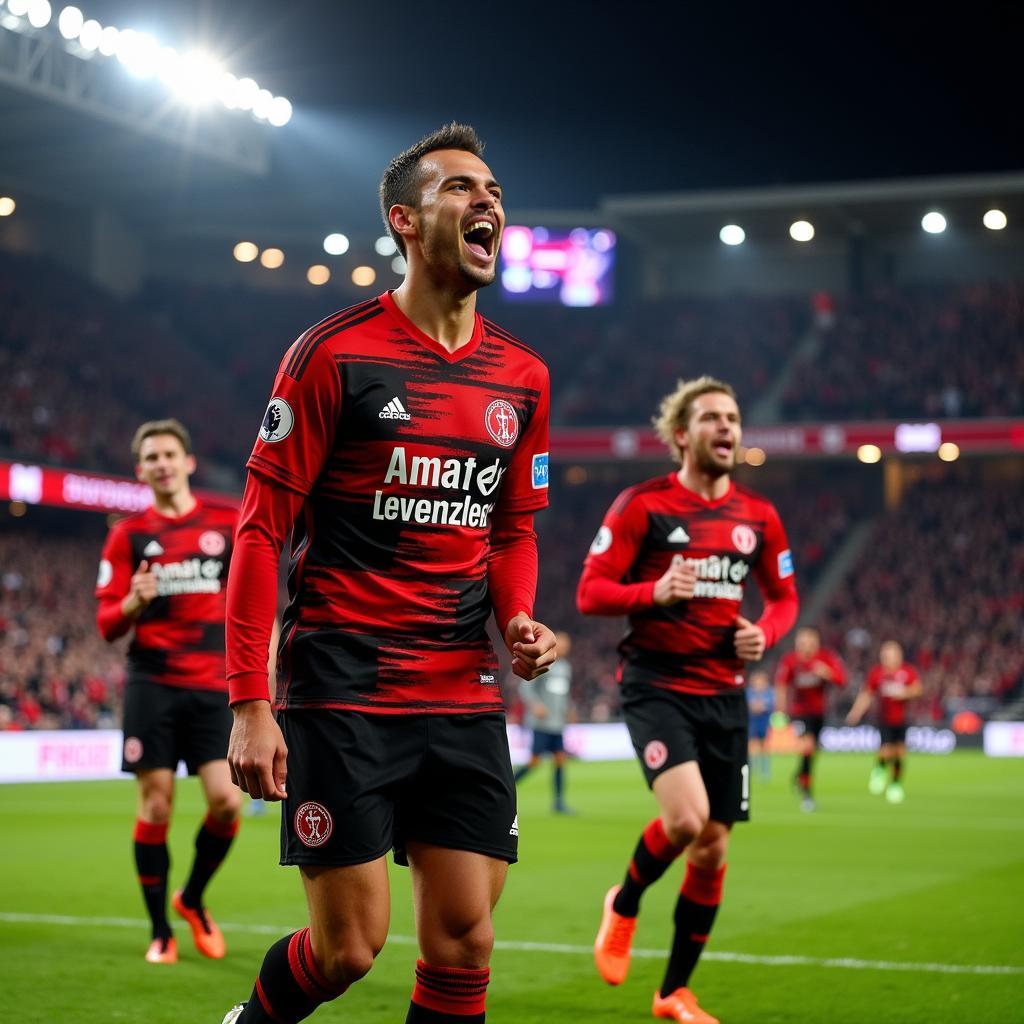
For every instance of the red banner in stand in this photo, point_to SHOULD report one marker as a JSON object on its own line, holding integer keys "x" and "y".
{"x": 805, "y": 440}
{"x": 91, "y": 492}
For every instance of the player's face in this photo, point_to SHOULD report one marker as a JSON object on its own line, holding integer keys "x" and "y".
{"x": 712, "y": 437}
{"x": 460, "y": 218}
{"x": 164, "y": 465}
{"x": 807, "y": 643}
{"x": 891, "y": 655}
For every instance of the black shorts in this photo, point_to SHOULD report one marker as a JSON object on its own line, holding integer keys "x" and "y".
{"x": 547, "y": 743}
{"x": 359, "y": 785}
{"x": 893, "y": 733}
{"x": 807, "y": 725}
{"x": 669, "y": 728}
{"x": 167, "y": 724}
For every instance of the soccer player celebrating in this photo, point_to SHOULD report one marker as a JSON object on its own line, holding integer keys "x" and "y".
{"x": 405, "y": 448}
{"x": 163, "y": 574}
{"x": 896, "y": 682}
{"x": 800, "y": 682}
{"x": 674, "y": 554}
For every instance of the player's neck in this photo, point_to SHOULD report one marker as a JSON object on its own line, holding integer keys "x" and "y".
{"x": 447, "y": 317}
{"x": 711, "y": 488}
{"x": 176, "y": 505}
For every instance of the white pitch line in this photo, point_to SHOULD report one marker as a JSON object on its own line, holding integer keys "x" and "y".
{"x": 843, "y": 963}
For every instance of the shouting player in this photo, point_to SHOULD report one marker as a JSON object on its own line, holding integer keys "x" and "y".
{"x": 674, "y": 555}
{"x": 405, "y": 448}
{"x": 800, "y": 682}
{"x": 896, "y": 682}
{"x": 163, "y": 574}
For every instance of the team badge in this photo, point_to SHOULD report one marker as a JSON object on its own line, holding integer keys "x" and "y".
{"x": 744, "y": 539}
{"x": 132, "y": 750}
{"x": 655, "y": 755}
{"x": 313, "y": 824}
{"x": 212, "y": 543}
{"x": 502, "y": 423}
{"x": 602, "y": 542}
{"x": 278, "y": 421}
{"x": 105, "y": 575}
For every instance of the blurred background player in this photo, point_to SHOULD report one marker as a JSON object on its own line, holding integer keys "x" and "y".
{"x": 673, "y": 554}
{"x": 800, "y": 682}
{"x": 547, "y": 702}
{"x": 760, "y": 704}
{"x": 163, "y": 574}
{"x": 896, "y": 683}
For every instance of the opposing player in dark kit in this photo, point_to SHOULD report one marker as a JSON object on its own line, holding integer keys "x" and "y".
{"x": 405, "y": 449}
{"x": 163, "y": 575}
{"x": 674, "y": 554}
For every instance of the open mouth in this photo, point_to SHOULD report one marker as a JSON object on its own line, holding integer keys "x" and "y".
{"x": 723, "y": 449}
{"x": 479, "y": 238}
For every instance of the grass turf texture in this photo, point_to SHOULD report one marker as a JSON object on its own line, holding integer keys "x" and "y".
{"x": 939, "y": 880}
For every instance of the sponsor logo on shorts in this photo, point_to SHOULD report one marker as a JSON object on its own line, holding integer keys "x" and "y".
{"x": 655, "y": 754}
{"x": 744, "y": 539}
{"x": 514, "y": 830}
{"x": 313, "y": 824}
{"x": 212, "y": 543}
{"x": 132, "y": 750}
{"x": 502, "y": 423}
{"x": 278, "y": 421}
{"x": 540, "y": 471}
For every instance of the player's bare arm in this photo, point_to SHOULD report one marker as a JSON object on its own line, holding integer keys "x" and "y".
{"x": 749, "y": 640}
{"x": 257, "y": 754}
{"x": 142, "y": 591}
{"x": 677, "y": 584}
{"x": 860, "y": 705}
{"x": 531, "y": 644}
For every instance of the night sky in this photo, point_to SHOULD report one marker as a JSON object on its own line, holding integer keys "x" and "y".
{"x": 579, "y": 100}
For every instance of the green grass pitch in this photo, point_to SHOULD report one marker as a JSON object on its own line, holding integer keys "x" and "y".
{"x": 899, "y": 914}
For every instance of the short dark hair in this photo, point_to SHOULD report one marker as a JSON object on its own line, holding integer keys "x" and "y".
{"x": 153, "y": 427}
{"x": 401, "y": 184}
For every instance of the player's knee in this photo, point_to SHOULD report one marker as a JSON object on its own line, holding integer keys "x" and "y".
{"x": 346, "y": 965}
{"x": 227, "y": 806}
{"x": 156, "y": 807}
{"x": 474, "y": 948}
{"x": 683, "y": 826}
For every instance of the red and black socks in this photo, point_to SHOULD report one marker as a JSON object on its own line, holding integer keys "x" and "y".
{"x": 695, "y": 912}
{"x": 651, "y": 858}
{"x": 152, "y": 861}
{"x": 448, "y": 995}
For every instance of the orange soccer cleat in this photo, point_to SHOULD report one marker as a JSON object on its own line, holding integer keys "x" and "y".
{"x": 614, "y": 937}
{"x": 205, "y": 933}
{"x": 681, "y": 1005}
{"x": 162, "y": 951}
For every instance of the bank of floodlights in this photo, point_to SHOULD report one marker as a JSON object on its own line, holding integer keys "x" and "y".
{"x": 197, "y": 79}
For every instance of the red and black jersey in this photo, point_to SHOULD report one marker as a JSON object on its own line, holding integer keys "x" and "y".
{"x": 805, "y": 681}
{"x": 179, "y": 638}
{"x": 688, "y": 646}
{"x": 891, "y": 688}
{"x": 402, "y": 454}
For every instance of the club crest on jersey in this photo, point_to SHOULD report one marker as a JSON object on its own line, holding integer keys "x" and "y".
{"x": 744, "y": 539}
{"x": 278, "y": 421}
{"x": 502, "y": 422}
{"x": 313, "y": 824}
{"x": 655, "y": 755}
{"x": 212, "y": 543}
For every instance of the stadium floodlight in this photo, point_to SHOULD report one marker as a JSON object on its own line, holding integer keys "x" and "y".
{"x": 272, "y": 258}
{"x": 801, "y": 231}
{"x": 246, "y": 252}
{"x": 262, "y": 104}
{"x": 732, "y": 234}
{"x": 248, "y": 90}
{"x": 364, "y": 276}
{"x": 197, "y": 78}
{"x": 90, "y": 35}
{"x": 70, "y": 22}
{"x": 228, "y": 94}
{"x": 398, "y": 264}
{"x": 108, "y": 41}
{"x": 318, "y": 274}
{"x": 280, "y": 112}
{"x": 385, "y": 246}
{"x": 994, "y": 220}
{"x": 19, "y": 8}
{"x": 7, "y": 206}
{"x": 336, "y": 244}
{"x": 138, "y": 52}
{"x": 933, "y": 222}
{"x": 949, "y": 451}
{"x": 39, "y": 13}
{"x": 869, "y": 453}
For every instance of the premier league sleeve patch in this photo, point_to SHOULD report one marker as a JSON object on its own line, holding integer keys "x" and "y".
{"x": 277, "y": 421}
{"x": 540, "y": 471}
{"x": 785, "y": 564}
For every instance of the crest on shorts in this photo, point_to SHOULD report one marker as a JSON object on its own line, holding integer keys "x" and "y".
{"x": 655, "y": 754}
{"x": 313, "y": 824}
{"x": 502, "y": 422}
{"x": 744, "y": 538}
{"x": 132, "y": 750}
